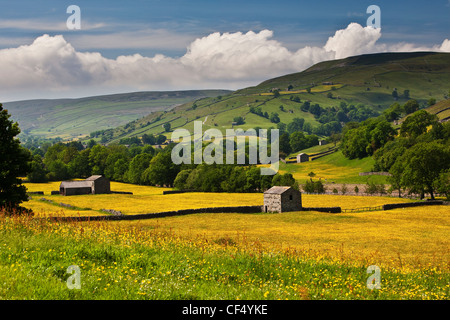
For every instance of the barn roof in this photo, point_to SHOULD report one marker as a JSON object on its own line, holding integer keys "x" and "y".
{"x": 277, "y": 190}
{"x": 75, "y": 184}
{"x": 92, "y": 178}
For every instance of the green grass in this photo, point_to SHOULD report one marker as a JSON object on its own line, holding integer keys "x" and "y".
{"x": 333, "y": 168}
{"x": 121, "y": 263}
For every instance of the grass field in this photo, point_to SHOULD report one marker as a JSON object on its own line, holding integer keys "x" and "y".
{"x": 294, "y": 255}
{"x": 307, "y": 255}
{"x": 147, "y": 199}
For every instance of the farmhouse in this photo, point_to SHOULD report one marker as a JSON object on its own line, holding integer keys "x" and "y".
{"x": 92, "y": 185}
{"x": 302, "y": 157}
{"x": 282, "y": 199}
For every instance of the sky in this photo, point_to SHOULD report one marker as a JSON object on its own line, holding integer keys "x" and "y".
{"x": 126, "y": 46}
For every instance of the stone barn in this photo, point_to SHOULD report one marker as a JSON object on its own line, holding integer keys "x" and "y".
{"x": 92, "y": 185}
{"x": 73, "y": 188}
{"x": 282, "y": 199}
{"x": 302, "y": 157}
{"x": 99, "y": 184}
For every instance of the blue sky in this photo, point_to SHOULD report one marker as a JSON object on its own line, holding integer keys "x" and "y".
{"x": 168, "y": 28}
{"x": 294, "y": 23}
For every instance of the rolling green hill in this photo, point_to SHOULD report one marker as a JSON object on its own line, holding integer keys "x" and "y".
{"x": 367, "y": 80}
{"x": 72, "y": 118}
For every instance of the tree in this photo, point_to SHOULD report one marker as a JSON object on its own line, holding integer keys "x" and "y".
{"x": 354, "y": 143}
{"x": 297, "y": 141}
{"x": 417, "y": 123}
{"x": 91, "y": 143}
{"x": 380, "y": 135}
{"x": 274, "y": 117}
{"x": 411, "y": 106}
{"x": 97, "y": 159}
{"x": 161, "y": 171}
{"x": 239, "y": 120}
{"x": 295, "y": 125}
{"x": 406, "y": 94}
{"x": 284, "y": 180}
{"x": 431, "y": 102}
{"x": 180, "y": 180}
{"x": 307, "y": 127}
{"x": 137, "y": 167}
{"x": 395, "y": 94}
{"x": 442, "y": 184}
{"x": 58, "y": 170}
{"x": 235, "y": 180}
{"x": 393, "y": 112}
{"x": 386, "y": 156}
{"x": 161, "y": 139}
{"x": 253, "y": 179}
{"x": 148, "y": 139}
{"x": 280, "y": 126}
{"x": 285, "y": 146}
{"x": 421, "y": 166}
{"x": 80, "y": 167}
{"x": 363, "y": 140}
{"x": 167, "y": 126}
{"x": 14, "y": 162}
{"x": 37, "y": 170}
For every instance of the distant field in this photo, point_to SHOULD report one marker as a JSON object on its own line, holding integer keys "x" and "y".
{"x": 333, "y": 168}
{"x": 441, "y": 109}
{"x": 147, "y": 199}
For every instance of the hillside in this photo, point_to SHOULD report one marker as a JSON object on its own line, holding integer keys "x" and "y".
{"x": 71, "y": 118}
{"x": 366, "y": 80}
{"x": 441, "y": 109}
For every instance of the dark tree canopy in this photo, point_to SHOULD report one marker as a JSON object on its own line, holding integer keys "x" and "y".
{"x": 14, "y": 163}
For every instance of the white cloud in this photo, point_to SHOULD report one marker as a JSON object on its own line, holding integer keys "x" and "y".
{"x": 445, "y": 46}
{"x": 39, "y": 25}
{"x": 353, "y": 40}
{"x": 52, "y": 67}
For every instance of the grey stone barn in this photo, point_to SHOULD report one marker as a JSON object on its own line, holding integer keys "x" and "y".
{"x": 92, "y": 185}
{"x": 302, "y": 157}
{"x": 282, "y": 199}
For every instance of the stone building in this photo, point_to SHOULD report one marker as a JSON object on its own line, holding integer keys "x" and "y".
{"x": 92, "y": 185}
{"x": 302, "y": 157}
{"x": 282, "y": 199}
{"x": 100, "y": 184}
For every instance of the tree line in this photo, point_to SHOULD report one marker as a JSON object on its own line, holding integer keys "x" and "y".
{"x": 145, "y": 165}
{"x": 417, "y": 154}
